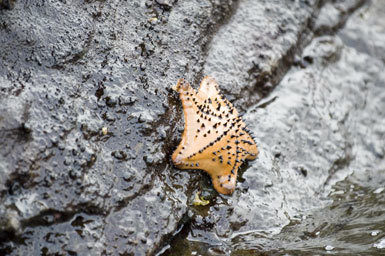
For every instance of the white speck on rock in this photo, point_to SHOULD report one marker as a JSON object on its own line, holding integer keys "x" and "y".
{"x": 374, "y": 233}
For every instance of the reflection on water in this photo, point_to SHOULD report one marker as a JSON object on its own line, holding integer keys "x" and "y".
{"x": 354, "y": 222}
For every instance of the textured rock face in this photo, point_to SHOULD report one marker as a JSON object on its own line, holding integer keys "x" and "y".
{"x": 321, "y": 167}
{"x": 88, "y": 121}
{"x": 85, "y": 122}
{"x": 7, "y": 4}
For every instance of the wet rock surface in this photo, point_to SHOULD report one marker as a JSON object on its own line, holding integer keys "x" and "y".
{"x": 7, "y": 4}
{"x": 85, "y": 120}
{"x": 88, "y": 123}
{"x": 321, "y": 169}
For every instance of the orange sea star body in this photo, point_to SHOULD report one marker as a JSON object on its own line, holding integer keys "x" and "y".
{"x": 215, "y": 138}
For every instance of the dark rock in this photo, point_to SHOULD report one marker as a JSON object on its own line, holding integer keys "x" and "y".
{"x": 320, "y": 164}
{"x": 7, "y": 4}
{"x": 88, "y": 121}
{"x": 84, "y": 90}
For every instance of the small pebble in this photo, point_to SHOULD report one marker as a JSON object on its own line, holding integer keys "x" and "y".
{"x": 153, "y": 20}
{"x": 329, "y": 247}
{"x": 104, "y": 131}
{"x": 374, "y": 233}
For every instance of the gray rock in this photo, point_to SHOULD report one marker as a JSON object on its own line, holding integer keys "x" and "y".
{"x": 88, "y": 120}
{"x": 85, "y": 122}
{"x": 320, "y": 132}
{"x": 7, "y": 4}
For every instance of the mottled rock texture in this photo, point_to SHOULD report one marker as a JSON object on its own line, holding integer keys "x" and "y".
{"x": 88, "y": 120}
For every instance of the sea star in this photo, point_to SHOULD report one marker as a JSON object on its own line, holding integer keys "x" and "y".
{"x": 215, "y": 139}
